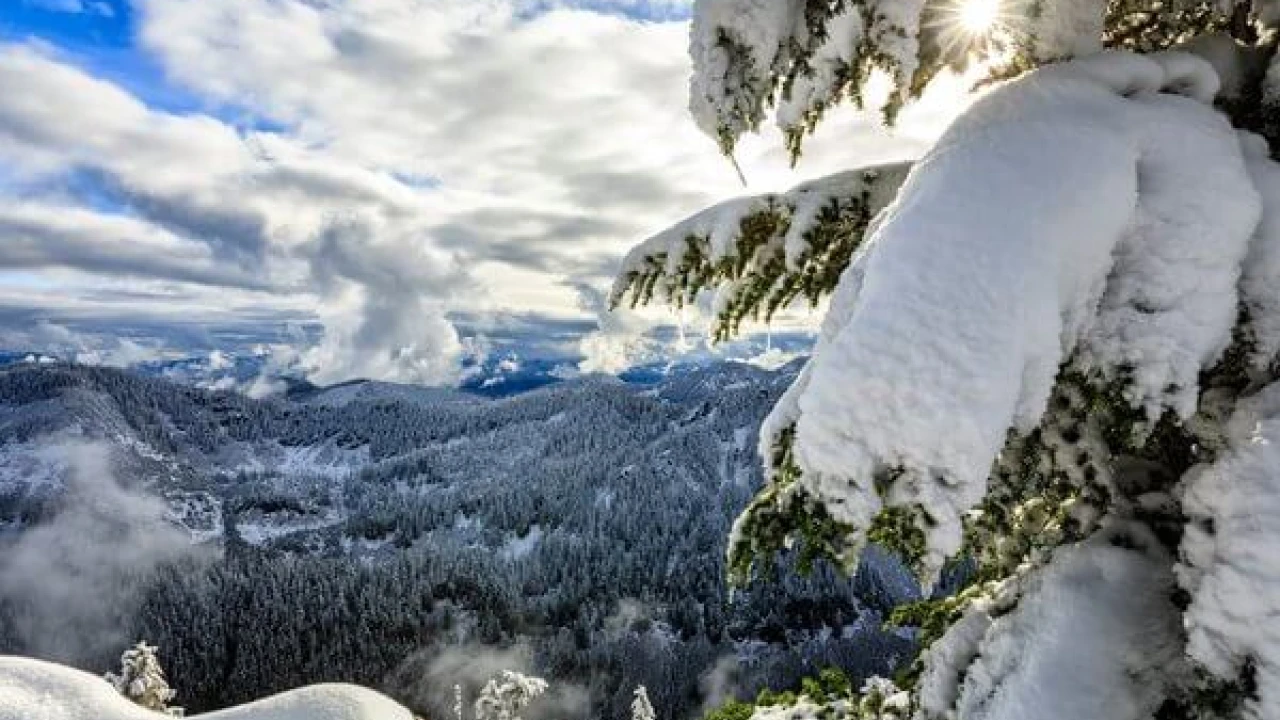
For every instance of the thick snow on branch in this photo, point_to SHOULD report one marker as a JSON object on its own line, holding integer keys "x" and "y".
{"x": 1230, "y": 552}
{"x": 1261, "y": 283}
{"x": 1171, "y": 300}
{"x": 1092, "y": 636}
{"x": 1099, "y": 205}
{"x": 35, "y": 690}
{"x": 737, "y": 47}
{"x": 829, "y": 71}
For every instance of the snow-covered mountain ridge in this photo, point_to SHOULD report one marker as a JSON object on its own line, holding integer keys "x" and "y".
{"x": 201, "y": 449}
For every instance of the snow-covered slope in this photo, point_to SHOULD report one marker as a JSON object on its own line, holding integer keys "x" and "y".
{"x": 35, "y": 690}
{"x": 292, "y": 471}
{"x": 350, "y": 537}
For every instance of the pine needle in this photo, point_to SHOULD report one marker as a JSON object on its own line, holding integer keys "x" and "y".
{"x": 736, "y": 168}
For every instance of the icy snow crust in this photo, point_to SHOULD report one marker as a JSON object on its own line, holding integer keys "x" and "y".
{"x": 36, "y": 690}
{"x": 1099, "y": 206}
{"x": 1231, "y": 554}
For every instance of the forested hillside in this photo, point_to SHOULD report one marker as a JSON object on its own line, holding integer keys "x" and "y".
{"x": 410, "y": 540}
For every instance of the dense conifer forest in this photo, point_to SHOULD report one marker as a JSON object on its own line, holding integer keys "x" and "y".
{"x": 577, "y": 531}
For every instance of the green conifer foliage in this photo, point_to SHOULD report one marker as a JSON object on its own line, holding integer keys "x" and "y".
{"x": 1095, "y": 453}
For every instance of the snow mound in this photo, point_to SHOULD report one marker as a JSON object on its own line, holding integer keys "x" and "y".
{"x": 37, "y": 690}
{"x": 1091, "y": 638}
{"x": 1229, "y": 555}
{"x": 1125, "y": 213}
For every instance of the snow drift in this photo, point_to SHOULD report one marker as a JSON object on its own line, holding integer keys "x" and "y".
{"x": 36, "y": 690}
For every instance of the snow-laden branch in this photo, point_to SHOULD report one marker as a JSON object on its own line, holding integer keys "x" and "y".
{"x": 760, "y": 252}
{"x": 805, "y": 56}
{"x": 797, "y": 59}
{"x": 1229, "y": 553}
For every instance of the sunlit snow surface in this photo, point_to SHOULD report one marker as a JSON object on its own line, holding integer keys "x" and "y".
{"x": 35, "y": 690}
{"x": 1231, "y": 561}
{"x": 1126, "y": 211}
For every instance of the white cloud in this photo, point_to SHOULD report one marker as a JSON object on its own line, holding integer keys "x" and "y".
{"x": 195, "y": 202}
{"x": 74, "y": 579}
{"x": 85, "y": 348}
{"x": 621, "y": 339}
{"x": 773, "y": 358}
{"x": 380, "y": 323}
{"x": 558, "y": 140}
{"x": 40, "y": 235}
{"x": 439, "y": 156}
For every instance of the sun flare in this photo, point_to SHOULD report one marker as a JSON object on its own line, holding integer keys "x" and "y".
{"x": 978, "y": 17}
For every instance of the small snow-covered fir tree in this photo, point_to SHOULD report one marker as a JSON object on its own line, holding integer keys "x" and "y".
{"x": 505, "y": 696}
{"x": 641, "y": 708}
{"x": 142, "y": 680}
{"x": 1052, "y": 344}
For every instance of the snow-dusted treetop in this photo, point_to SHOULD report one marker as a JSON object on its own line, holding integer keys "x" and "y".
{"x": 641, "y": 707}
{"x": 142, "y": 680}
{"x": 506, "y": 695}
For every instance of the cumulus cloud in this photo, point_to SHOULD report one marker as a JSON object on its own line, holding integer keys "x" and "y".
{"x": 621, "y": 339}
{"x": 772, "y": 358}
{"x": 385, "y": 320}
{"x": 85, "y": 348}
{"x": 195, "y": 202}
{"x": 491, "y": 153}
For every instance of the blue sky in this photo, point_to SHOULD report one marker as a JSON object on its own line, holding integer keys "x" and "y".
{"x": 414, "y": 182}
{"x": 99, "y": 40}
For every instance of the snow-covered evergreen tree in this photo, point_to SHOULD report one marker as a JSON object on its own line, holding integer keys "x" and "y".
{"x": 142, "y": 680}
{"x": 1052, "y": 344}
{"x": 641, "y": 708}
{"x": 505, "y": 696}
